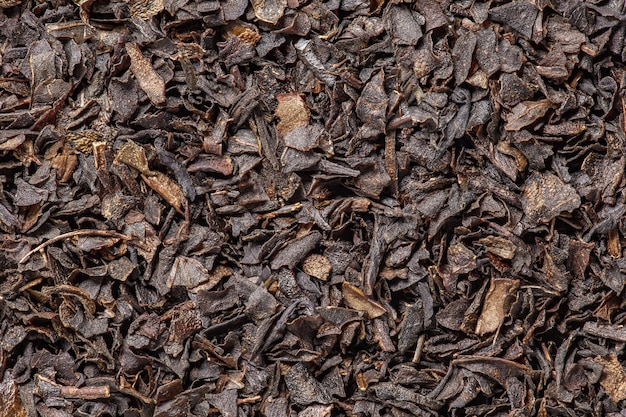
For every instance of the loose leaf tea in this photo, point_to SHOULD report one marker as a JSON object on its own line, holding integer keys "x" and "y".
{"x": 312, "y": 208}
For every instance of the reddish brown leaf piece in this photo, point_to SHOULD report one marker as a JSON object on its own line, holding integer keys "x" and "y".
{"x": 526, "y": 113}
{"x": 355, "y": 298}
{"x": 613, "y": 378}
{"x": 10, "y": 400}
{"x": 148, "y": 79}
{"x": 496, "y": 305}
{"x": 545, "y": 196}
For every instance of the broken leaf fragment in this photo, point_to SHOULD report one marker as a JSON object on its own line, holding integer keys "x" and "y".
{"x": 355, "y": 298}
{"x": 10, "y": 400}
{"x": 292, "y": 112}
{"x": 317, "y": 266}
{"x": 545, "y": 196}
{"x": 190, "y": 273}
{"x": 304, "y": 388}
{"x": 526, "y": 113}
{"x": 166, "y": 188}
{"x": 519, "y": 15}
{"x": 613, "y": 378}
{"x": 145, "y": 9}
{"x": 149, "y": 81}
{"x": 496, "y": 305}
{"x": 371, "y": 107}
{"x": 134, "y": 156}
{"x": 269, "y": 11}
{"x": 499, "y": 246}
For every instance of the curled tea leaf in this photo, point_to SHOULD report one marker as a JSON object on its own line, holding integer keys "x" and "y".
{"x": 355, "y": 298}
{"x": 148, "y": 79}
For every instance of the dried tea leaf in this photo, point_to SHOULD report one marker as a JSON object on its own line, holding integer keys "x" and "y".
{"x": 513, "y": 89}
{"x": 499, "y": 246}
{"x": 404, "y": 25}
{"x": 355, "y": 298}
{"x": 10, "y": 400}
{"x": 453, "y": 315}
{"x": 270, "y": 11}
{"x": 317, "y": 411}
{"x": 302, "y": 138}
{"x": 133, "y": 155}
{"x": 187, "y": 272}
{"x": 371, "y": 107}
{"x": 85, "y": 139}
{"x": 317, "y": 266}
{"x": 148, "y": 79}
{"x": 296, "y": 250}
{"x": 211, "y": 302}
{"x": 525, "y": 113}
{"x": 166, "y": 188}
{"x": 120, "y": 269}
{"x": 225, "y": 402}
{"x": 545, "y": 196}
{"x": 519, "y": 15}
{"x": 304, "y": 388}
{"x": 5, "y": 4}
{"x": 496, "y": 305}
{"x": 498, "y": 369}
{"x": 461, "y": 259}
{"x": 292, "y": 112}
{"x": 145, "y": 9}
{"x": 65, "y": 163}
{"x": 462, "y": 54}
{"x": 613, "y": 378}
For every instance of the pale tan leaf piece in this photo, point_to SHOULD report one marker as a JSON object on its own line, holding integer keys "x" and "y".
{"x": 148, "y": 79}
{"x": 166, "y": 188}
{"x": 292, "y": 112}
{"x": 545, "y": 196}
{"x": 525, "y": 113}
{"x": 317, "y": 266}
{"x": 10, "y": 401}
{"x": 269, "y": 11}
{"x": 134, "y": 156}
{"x": 496, "y": 305}
{"x": 5, "y": 4}
{"x": 499, "y": 246}
{"x": 145, "y": 9}
{"x": 613, "y": 378}
{"x": 358, "y": 300}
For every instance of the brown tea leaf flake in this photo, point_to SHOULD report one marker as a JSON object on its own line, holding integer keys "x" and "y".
{"x": 496, "y": 305}
{"x": 317, "y": 266}
{"x": 248, "y": 34}
{"x": 187, "y": 272}
{"x": 613, "y": 378}
{"x": 148, "y": 79}
{"x": 355, "y": 298}
{"x": 65, "y": 163}
{"x": 85, "y": 139}
{"x": 499, "y": 246}
{"x": 371, "y": 107}
{"x": 166, "y": 188}
{"x": 5, "y": 4}
{"x": 292, "y": 112}
{"x": 269, "y": 11}
{"x": 614, "y": 247}
{"x": 545, "y": 196}
{"x": 134, "y": 156}
{"x": 525, "y": 113}
{"x": 145, "y": 9}
{"x": 10, "y": 399}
